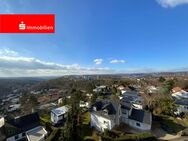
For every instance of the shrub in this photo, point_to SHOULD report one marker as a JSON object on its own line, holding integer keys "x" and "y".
{"x": 54, "y": 135}
{"x": 147, "y": 136}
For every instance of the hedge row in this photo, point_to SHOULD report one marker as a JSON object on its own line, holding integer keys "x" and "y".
{"x": 54, "y": 135}
{"x": 135, "y": 137}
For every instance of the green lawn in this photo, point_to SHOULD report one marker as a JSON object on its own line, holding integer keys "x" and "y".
{"x": 172, "y": 123}
{"x": 45, "y": 118}
{"x": 183, "y": 122}
{"x": 86, "y": 118}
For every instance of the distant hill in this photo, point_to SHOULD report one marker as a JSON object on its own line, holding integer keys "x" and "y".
{"x": 8, "y": 85}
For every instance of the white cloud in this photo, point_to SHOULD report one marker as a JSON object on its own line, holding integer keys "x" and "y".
{"x": 14, "y": 65}
{"x": 115, "y": 61}
{"x": 171, "y": 3}
{"x": 98, "y": 61}
{"x": 8, "y": 52}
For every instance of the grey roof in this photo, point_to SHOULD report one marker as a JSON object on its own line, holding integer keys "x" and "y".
{"x": 110, "y": 106}
{"x": 183, "y": 102}
{"x": 131, "y": 96}
{"x": 141, "y": 116}
{"x": 60, "y": 111}
{"x": 131, "y": 93}
{"x": 36, "y": 134}
{"x": 126, "y": 105}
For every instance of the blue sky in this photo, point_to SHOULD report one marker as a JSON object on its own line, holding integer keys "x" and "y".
{"x": 98, "y": 36}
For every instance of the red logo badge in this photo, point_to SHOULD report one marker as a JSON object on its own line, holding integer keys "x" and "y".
{"x": 27, "y": 23}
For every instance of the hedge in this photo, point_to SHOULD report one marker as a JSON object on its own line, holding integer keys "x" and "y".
{"x": 54, "y": 135}
{"x": 135, "y": 137}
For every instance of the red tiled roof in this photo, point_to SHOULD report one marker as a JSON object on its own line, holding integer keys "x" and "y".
{"x": 176, "y": 89}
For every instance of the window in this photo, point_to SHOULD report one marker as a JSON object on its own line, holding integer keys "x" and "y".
{"x": 138, "y": 124}
{"x": 23, "y": 134}
{"x": 16, "y": 137}
{"x": 105, "y": 122}
{"x": 124, "y": 113}
{"x": 60, "y": 116}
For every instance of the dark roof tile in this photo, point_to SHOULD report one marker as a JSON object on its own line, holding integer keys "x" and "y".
{"x": 141, "y": 116}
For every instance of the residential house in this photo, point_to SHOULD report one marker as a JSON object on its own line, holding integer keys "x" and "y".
{"x": 132, "y": 93}
{"x": 15, "y": 100}
{"x": 25, "y": 128}
{"x": 89, "y": 95}
{"x": 182, "y": 106}
{"x": 14, "y": 107}
{"x": 138, "y": 104}
{"x": 153, "y": 90}
{"x": 105, "y": 115}
{"x": 134, "y": 117}
{"x": 176, "y": 89}
{"x": 36, "y": 92}
{"x": 125, "y": 111}
{"x": 140, "y": 119}
{"x": 181, "y": 94}
{"x": 133, "y": 98}
{"x": 108, "y": 114}
{"x": 84, "y": 104}
{"x": 58, "y": 115}
{"x": 99, "y": 89}
{"x": 121, "y": 87}
{"x": 181, "y": 100}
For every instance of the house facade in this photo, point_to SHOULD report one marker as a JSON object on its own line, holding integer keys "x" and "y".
{"x": 58, "y": 115}
{"x": 140, "y": 119}
{"x": 105, "y": 115}
{"x": 135, "y": 117}
{"x": 101, "y": 123}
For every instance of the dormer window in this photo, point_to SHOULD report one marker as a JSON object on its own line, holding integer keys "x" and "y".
{"x": 105, "y": 122}
{"x": 105, "y": 111}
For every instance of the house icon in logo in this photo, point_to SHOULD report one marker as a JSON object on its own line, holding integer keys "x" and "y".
{"x": 22, "y": 26}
